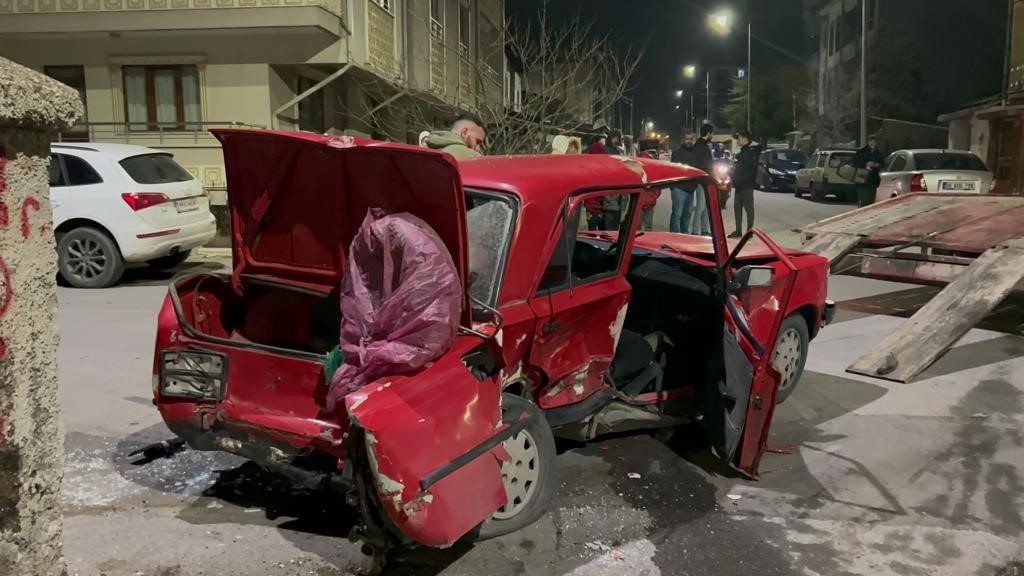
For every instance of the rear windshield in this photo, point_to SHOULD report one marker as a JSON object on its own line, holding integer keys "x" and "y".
{"x": 791, "y": 156}
{"x": 940, "y": 161}
{"x": 155, "y": 169}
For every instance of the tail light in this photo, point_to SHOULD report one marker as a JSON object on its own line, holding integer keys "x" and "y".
{"x": 140, "y": 200}
{"x": 917, "y": 183}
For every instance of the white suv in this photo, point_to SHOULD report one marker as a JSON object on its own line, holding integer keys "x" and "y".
{"x": 118, "y": 203}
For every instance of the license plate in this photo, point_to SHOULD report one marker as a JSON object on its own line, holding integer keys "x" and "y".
{"x": 958, "y": 186}
{"x": 187, "y": 204}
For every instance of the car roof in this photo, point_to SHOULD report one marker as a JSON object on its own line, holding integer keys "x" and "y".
{"x": 936, "y": 151}
{"x": 110, "y": 149}
{"x": 548, "y": 179}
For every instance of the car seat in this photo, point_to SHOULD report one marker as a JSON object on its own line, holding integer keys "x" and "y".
{"x": 639, "y": 362}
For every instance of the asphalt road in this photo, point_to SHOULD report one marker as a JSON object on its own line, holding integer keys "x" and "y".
{"x": 867, "y": 477}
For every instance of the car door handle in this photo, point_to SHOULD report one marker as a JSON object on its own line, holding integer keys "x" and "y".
{"x": 549, "y": 327}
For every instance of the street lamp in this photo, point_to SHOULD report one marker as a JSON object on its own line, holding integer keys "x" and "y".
{"x": 690, "y": 71}
{"x": 721, "y": 22}
{"x": 650, "y": 125}
{"x": 679, "y": 93}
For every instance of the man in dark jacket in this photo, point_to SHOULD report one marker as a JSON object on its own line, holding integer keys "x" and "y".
{"x": 682, "y": 195}
{"x": 745, "y": 180}
{"x": 870, "y": 159}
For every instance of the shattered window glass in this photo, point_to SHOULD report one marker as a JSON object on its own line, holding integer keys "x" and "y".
{"x": 489, "y": 225}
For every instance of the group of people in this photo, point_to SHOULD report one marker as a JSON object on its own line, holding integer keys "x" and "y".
{"x": 689, "y": 202}
{"x": 466, "y": 137}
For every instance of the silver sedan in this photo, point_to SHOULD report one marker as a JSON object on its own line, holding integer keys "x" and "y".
{"x": 907, "y": 171}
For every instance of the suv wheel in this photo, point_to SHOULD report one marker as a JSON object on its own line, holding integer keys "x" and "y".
{"x": 528, "y": 474}
{"x": 88, "y": 258}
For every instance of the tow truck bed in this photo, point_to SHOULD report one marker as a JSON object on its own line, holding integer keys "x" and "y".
{"x": 973, "y": 244}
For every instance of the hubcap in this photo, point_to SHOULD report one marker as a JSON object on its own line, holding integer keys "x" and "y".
{"x": 86, "y": 258}
{"x": 788, "y": 352}
{"x": 519, "y": 473}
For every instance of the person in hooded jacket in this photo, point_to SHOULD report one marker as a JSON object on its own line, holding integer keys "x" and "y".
{"x": 745, "y": 180}
{"x": 463, "y": 140}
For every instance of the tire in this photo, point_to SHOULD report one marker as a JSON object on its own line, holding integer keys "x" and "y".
{"x": 88, "y": 258}
{"x": 790, "y": 354}
{"x": 169, "y": 262}
{"x": 815, "y": 194}
{"x": 541, "y": 488}
{"x": 797, "y": 191}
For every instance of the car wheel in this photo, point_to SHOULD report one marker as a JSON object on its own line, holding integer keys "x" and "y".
{"x": 796, "y": 190}
{"x": 790, "y": 354}
{"x": 816, "y": 195}
{"x": 168, "y": 262}
{"x": 88, "y": 258}
{"x": 529, "y": 473}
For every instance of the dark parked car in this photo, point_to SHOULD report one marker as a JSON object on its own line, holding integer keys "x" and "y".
{"x": 776, "y": 169}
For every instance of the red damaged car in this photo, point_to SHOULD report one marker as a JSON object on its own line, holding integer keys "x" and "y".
{"x": 561, "y": 329}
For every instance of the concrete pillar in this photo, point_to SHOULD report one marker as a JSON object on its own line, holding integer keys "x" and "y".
{"x": 32, "y": 108}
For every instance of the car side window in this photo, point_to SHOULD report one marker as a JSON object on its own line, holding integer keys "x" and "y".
{"x": 55, "y": 171}
{"x": 80, "y": 173}
{"x": 822, "y": 159}
{"x": 899, "y": 164}
{"x": 887, "y": 163}
{"x": 587, "y": 258}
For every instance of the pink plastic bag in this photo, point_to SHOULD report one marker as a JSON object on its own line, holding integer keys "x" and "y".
{"x": 401, "y": 301}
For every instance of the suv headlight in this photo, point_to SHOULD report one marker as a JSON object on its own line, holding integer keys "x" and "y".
{"x": 192, "y": 374}
{"x": 775, "y": 172}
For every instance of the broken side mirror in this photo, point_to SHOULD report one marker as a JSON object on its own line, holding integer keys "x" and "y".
{"x": 751, "y": 277}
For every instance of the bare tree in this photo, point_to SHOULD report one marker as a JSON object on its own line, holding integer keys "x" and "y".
{"x": 573, "y": 78}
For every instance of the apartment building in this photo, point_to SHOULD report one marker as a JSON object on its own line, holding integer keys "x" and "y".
{"x": 947, "y": 51}
{"x": 163, "y": 72}
{"x": 993, "y": 127}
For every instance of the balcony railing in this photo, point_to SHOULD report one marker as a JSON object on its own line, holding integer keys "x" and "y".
{"x": 336, "y": 7}
{"x": 149, "y": 133}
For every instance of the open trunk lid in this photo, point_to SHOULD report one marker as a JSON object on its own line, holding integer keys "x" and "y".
{"x": 297, "y": 199}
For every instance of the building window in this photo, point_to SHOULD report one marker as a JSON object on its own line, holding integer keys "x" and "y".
{"x": 73, "y": 76}
{"x": 465, "y": 29}
{"x": 437, "y": 19}
{"x": 311, "y": 108}
{"x": 161, "y": 97}
{"x": 385, "y": 4}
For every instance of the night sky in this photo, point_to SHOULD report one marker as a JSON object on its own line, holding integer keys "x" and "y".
{"x": 675, "y": 33}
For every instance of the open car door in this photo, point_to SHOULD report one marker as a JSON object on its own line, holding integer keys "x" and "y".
{"x": 747, "y": 391}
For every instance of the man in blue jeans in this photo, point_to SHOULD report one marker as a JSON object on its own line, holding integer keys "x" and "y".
{"x": 682, "y": 196}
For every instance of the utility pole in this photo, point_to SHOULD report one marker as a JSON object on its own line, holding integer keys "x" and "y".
{"x": 749, "y": 95}
{"x": 708, "y": 86}
{"x": 863, "y": 72}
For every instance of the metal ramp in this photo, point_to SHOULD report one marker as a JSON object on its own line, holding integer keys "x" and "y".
{"x": 972, "y": 243}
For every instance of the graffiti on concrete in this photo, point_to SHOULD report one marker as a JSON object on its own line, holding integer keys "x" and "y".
{"x": 6, "y": 292}
{"x": 26, "y": 228}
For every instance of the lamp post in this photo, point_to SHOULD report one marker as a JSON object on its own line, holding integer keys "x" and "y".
{"x": 721, "y": 22}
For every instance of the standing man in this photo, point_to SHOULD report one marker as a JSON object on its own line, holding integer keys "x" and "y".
{"x": 870, "y": 159}
{"x": 463, "y": 140}
{"x": 682, "y": 195}
{"x": 596, "y": 145}
{"x": 745, "y": 180}
{"x": 613, "y": 204}
{"x": 701, "y": 222}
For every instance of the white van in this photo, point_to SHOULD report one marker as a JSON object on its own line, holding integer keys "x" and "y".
{"x": 821, "y": 176}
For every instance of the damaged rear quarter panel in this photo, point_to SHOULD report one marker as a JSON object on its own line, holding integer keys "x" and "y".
{"x": 413, "y": 425}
